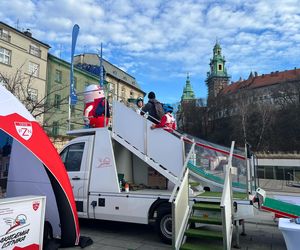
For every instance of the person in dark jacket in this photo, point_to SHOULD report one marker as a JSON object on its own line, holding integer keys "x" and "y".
{"x": 153, "y": 109}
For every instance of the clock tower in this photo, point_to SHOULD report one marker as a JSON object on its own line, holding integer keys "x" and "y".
{"x": 217, "y": 77}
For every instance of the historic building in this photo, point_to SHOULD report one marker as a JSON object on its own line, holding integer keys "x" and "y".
{"x": 188, "y": 92}
{"x": 265, "y": 88}
{"x": 23, "y": 62}
{"x": 188, "y": 97}
{"x": 217, "y": 77}
{"x": 121, "y": 85}
{"x": 116, "y": 81}
{"x": 43, "y": 80}
{"x": 58, "y": 88}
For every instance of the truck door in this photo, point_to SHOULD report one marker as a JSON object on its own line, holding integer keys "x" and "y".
{"x": 76, "y": 158}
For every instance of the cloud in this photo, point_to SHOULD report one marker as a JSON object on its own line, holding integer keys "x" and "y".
{"x": 17, "y": 9}
{"x": 161, "y": 40}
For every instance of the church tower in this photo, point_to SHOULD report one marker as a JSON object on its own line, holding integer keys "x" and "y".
{"x": 187, "y": 98}
{"x": 217, "y": 77}
{"x": 188, "y": 93}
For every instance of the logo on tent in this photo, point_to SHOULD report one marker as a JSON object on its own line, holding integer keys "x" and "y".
{"x": 24, "y": 129}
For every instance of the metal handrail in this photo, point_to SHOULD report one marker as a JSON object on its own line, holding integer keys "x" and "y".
{"x": 180, "y": 177}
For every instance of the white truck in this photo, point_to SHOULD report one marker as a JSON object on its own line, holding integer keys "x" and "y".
{"x": 150, "y": 160}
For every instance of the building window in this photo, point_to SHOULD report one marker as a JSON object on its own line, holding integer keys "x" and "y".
{"x": 4, "y": 35}
{"x": 131, "y": 94}
{"x": 5, "y": 56}
{"x": 55, "y": 128}
{"x": 32, "y": 94}
{"x": 220, "y": 66}
{"x": 58, "y": 76}
{"x": 33, "y": 69}
{"x": 57, "y": 100}
{"x": 34, "y": 50}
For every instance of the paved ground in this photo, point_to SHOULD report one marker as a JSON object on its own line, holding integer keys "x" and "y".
{"x": 262, "y": 233}
{"x": 120, "y": 236}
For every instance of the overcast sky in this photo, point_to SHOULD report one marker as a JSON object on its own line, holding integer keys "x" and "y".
{"x": 159, "y": 41}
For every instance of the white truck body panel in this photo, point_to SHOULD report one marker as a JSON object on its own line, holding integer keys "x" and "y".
{"x": 126, "y": 208}
{"x": 104, "y": 175}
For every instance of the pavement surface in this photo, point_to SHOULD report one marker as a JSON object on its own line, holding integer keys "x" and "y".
{"x": 261, "y": 233}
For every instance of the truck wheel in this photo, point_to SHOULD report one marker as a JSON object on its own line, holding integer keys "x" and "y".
{"x": 164, "y": 225}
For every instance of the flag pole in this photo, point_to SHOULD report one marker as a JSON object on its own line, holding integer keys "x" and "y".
{"x": 101, "y": 83}
{"x": 72, "y": 96}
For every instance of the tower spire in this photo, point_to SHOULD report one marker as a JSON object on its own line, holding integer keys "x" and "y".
{"x": 188, "y": 93}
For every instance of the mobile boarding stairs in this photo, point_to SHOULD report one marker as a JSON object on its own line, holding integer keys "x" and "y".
{"x": 165, "y": 152}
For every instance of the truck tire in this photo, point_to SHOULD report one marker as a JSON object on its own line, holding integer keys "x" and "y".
{"x": 164, "y": 225}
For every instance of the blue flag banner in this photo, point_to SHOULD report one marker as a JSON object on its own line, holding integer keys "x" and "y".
{"x": 73, "y": 96}
{"x": 101, "y": 68}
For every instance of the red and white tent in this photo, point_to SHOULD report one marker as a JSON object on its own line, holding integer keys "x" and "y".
{"x": 35, "y": 168}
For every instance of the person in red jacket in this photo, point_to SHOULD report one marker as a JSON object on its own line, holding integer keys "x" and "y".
{"x": 167, "y": 122}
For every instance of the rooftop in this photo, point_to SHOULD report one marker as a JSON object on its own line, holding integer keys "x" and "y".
{"x": 264, "y": 80}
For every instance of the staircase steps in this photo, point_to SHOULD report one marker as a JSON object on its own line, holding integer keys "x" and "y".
{"x": 207, "y": 236}
{"x": 207, "y": 206}
{"x": 205, "y": 220}
{"x": 199, "y": 233}
{"x": 203, "y": 246}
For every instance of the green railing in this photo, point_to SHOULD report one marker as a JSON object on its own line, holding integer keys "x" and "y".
{"x": 200, "y": 171}
{"x": 282, "y": 206}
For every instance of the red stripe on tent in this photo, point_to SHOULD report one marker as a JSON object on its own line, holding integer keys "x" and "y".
{"x": 214, "y": 149}
{"x": 30, "y": 247}
{"x": 39, "y": 144}
{"x": 278, "y": 213}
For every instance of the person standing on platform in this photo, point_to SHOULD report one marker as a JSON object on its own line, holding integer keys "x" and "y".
{"x": 139, "y": 105}
{"x": 154, "y": 109}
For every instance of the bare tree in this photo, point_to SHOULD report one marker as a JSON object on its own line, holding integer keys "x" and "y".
{"x": 20, "y": 85}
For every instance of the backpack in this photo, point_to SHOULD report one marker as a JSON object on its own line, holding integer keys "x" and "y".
{"x": 159, "y": 110}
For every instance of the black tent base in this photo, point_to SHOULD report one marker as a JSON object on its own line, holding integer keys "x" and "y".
{"x": 85, "y": 241}
{"x": 54, "y": 244}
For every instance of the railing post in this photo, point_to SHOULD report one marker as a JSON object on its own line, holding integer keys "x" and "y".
{"x": 145, "y": 137}
{"x": 183, "y": 150}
